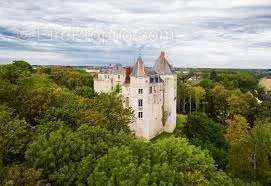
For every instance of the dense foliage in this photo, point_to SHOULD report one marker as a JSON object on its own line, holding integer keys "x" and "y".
{"x": 54, "y": 129}
{"x": 202, "y": 131}
{"x": 233, "y": 123}
{"x": 171, "y": 161}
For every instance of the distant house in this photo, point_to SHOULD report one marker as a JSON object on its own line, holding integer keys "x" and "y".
{"x": 150, "y": 92}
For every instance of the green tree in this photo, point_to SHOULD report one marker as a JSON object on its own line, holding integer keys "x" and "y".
{"x": 217, "y": 103}
{"x": 117, "y": 117}
{"x": 84, "y": 91}
{"x": 204, "y": 132}
{"x": 264, "y": 110}
{"x": 250, "y": 159}
{"x": 237, "y": 129}
{"x": 206, "y": 83}
{"x": 183, "y": 96}
{"x": 23, "y": 65}
{"x": 79, "y": 81}
{"x": 20, "y": 175}
{"x": 237, "y": 104}
{"x": 245, "y": 81}
{"x": 13, "y": 72}
{"x": 14, "y": 136}
{"x": 199, "y": 94}
{"x": 170, "y": 161}
{"x": 224, "y": 104}
{"x": 68, "y": 157}
{"x": 213, "y": 75}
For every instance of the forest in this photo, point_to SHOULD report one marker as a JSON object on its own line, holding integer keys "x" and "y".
{"x": 55, "y": 130}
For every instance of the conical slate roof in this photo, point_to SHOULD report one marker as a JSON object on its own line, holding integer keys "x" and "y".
{"x": 138, "y": 68}
{"x": 162, "y": 65}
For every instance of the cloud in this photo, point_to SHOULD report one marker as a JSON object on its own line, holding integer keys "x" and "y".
{"x": 196, "y": 33}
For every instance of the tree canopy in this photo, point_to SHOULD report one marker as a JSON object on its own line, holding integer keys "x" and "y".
{"x": 55, "y": 130}
{"x": 169, "y": 161}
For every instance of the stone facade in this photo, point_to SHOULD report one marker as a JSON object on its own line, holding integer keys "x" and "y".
{"x": 150, "y": 92}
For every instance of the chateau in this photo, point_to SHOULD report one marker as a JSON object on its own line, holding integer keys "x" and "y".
{"x": 150, "y": 92}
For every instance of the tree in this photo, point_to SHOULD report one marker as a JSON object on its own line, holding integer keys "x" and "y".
{"x": 23, "y": 65}
{"x": 237, "y": 129}
{"x": 20, "y": 175}
{"x": 183, "y": 94}
{"x": 224, "y": 104}
{"x": 14, "y": 136}
{"x": 238, "y": 105}
{"x": 73, "y": 79}
{"x": 206, "y": 83}
{"x": 245, "y": 81}
{"x": 250, "y": 159}
{"x": 264, "y": 110}
{"x": 13, "y": 72}
{"x": 199, "y": 94}
{"x": 213, "y": 75}
{"x": 170, "y": 161}
{"x": 117, "y": 117}
{"x": 30, "y": 97}
{"x": 202, "y": 131}
{"x": 68, "y": 157}
{"x": 218, "y": 104}
{"x": 85, "y": 91}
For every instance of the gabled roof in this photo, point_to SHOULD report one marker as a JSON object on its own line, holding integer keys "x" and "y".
{"x": 162, "y": 65}
{"x": 138, "y": 68}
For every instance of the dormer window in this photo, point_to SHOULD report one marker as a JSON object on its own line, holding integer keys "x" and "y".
{"x": 151, "y": 79}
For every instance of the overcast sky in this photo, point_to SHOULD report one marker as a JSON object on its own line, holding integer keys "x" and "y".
{"x": 194, "y": 33}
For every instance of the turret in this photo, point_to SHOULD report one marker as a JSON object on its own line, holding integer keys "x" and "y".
{"x": 168, "y": 75}
{"x": 162, "y": 65}
{"x": 138, "y": 69}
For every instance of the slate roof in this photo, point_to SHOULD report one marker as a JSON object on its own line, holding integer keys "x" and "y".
{"x": 162, "y": 65}
{"x": 138, "y": 68}
{"x": 150, "y": 71}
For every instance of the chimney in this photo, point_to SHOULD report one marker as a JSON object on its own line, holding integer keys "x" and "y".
{"x": 128, "y": 71}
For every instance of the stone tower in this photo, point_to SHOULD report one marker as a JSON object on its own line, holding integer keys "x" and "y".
{"x": 167, "y": 74}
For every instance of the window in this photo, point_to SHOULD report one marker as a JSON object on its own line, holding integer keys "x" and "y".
{"x": 150, "y": 90}
{"x": 156, "y": 79}
{"x": 140, "y": 103}
{"x": 127, "y": 102}
{"x": 140, "y": 115}
{"x": 151, "y": 80}
{"x": 118, "y": 76}
{"x": 140, "y": 91}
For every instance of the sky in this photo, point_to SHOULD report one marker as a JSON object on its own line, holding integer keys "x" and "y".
{"x": 193, "y": 33}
